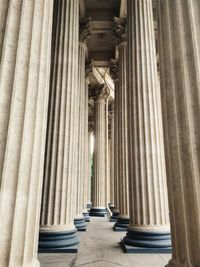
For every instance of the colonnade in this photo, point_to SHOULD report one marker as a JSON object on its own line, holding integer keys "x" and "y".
{"x": 44, "y": 144}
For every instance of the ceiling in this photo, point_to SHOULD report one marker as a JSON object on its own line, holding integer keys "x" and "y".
{"x": 100, "y": 47}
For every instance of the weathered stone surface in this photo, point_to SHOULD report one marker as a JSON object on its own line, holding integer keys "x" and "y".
{"x": 25, "y": 47}
{"x": 179, "y": 31}
{"x": 99, "y": 179}
{"x": 147, "y": 186}
{"x": 59, "y": 200}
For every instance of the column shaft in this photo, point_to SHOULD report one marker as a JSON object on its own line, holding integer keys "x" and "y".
{"x": 99, "y": 176}
{"x": 148, "y": 190}
{"x": 80, "y": 219}
{"x": 112, "y": 154}
{"x": 116, "y": 142}
{"x": 114, "y": 72}
{"x": 122, "y": 149}
{"x": 107, "y": 166}
{"x": 25, "y": 40}
{"x": 60, "y": 182}
{"x": 179, "y": 32}
{"x": 99, "y": 156}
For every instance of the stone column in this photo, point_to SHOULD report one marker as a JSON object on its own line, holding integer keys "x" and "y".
{"x": 57, "y": 230}
{"x": 84, "y": 35}
{"x": 90, "y": 156}
{"x": 120, "y": 41}
{"x": 107, "y": 169}
{"x": 87, "y": 184}
{"x": 99, "y": 176}
{"x": 149, "y": 219}
{"x": 112, "y": 154}
{"x": 25, "y": 48}
{"x": 114, "y": 72}
{"x": 179, "y": 32}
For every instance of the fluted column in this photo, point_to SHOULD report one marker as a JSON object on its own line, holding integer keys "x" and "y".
{"x": 119, "y": 37}
{"x": 112, "y": 154}
{"x": 25, "y": 41}
{"x": 99, "y": 175}
{"x": 90, "y": 156}
{"x": 149, "y": 225}
{"x": 114, "y": 72}
{"x": 57, "y": 230}
{"x": 79, "y": 220}
{"x": 179, "y": 32}
{"x": 84, "y": 35}
{"x": 107, "y": 168}
{"x": 87, "y": 184}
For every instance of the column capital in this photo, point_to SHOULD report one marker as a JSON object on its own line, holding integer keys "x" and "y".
{"x": 119, "y": 30}
{"x": 114, "y": 69}
{"x": 84, "y": 30}
{"x": 102, "y": 92}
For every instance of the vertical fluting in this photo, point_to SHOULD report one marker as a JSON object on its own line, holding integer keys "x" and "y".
{"x": 107, "y": 161}
{"x": 116, "y": 138}
{"x": 98, "y": 199}
{"x": 86, "y": 151}
{"x": 25, "y": 41}
{"x": 179, "y": 31}
{"x": 81, "y": 131}
{"x": 60, "y": 173}
{"x": 90, "y": 159}
{"x": 114, "y": 72}
{"x": 147, "y": 185}
{"x": 121, "y": 105}
{"x": 112, "y": 154}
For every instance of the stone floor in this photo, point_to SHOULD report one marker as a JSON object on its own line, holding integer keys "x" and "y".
{"x": 99, "y": 247}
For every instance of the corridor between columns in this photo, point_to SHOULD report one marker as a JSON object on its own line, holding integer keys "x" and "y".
{"x": 99, "y": 114}
{"x": 99, "y": 248}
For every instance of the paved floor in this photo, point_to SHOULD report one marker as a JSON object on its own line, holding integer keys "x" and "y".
{"x": 99, "y": 247}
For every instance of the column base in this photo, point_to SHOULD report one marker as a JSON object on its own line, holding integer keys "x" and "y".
{"x": 58, "y": 242}
{"x": 80, "y": 224}
{"x": 140, "y": 241}
{"x": 98, "y": 212}
{"x": 87, "y": 216}
{"x": 122, "y": 224}
{"x": 114, "y": 216}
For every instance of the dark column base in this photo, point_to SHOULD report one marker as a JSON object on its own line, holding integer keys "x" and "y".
{"x": 98, "y": 212}
{"x": 114, "y": 216}
{"x": 122, "y": 224}
{"x": 58, "y": 242}
{"x": 137, "y": 241}
{"x": 80, "y": 224}
{"x": 87, "y": 216}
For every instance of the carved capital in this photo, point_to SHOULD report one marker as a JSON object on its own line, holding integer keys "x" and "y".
{"x": 114, "y": 69}
{"x": 119, "y": 30}
{"x": 102, "y": 92}
{"x": 84, "y": 30}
